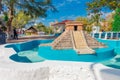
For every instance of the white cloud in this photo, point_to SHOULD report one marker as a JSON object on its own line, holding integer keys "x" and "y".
{"x": 67, "y": 2}
{"x": 71, "y": 17}
{"x": 70, "y": 0}
{"x": 77, "y": 1}
{"x": 61, "y": 4}
{"x": 62, "y": 18}
{"x": 103, "y": 15}
{"x": 43, "y": 19}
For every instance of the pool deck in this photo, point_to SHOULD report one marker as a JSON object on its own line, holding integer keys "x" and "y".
{"x": 53, "y": 70}
{"x": 28, "y": 38}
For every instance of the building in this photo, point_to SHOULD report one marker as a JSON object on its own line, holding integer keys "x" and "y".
{"x": 59, "y": 27}
{"x": 31, "y": 31}
{"x": 74, "y": 37}
{"x": 74, "y": 26}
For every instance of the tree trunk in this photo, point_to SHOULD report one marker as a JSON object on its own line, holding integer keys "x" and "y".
{"x": 10, "y": 29}
{"x": 0, "y": 5}
{"x": 9, "y": 24}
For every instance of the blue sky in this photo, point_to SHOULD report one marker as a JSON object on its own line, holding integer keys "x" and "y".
{"x": 67, "y": 9}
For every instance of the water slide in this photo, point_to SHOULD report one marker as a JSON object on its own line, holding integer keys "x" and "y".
{"x": 80, "y": 43}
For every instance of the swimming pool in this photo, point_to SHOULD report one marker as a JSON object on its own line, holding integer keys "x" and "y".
{"x": 31, "y": 52}
{"x": 71, "y": 55}
{"x": 27, "y": 51}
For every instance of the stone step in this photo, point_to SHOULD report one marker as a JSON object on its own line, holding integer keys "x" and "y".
{"x": 93, "y": 43}
{"x": 63, "y": 41}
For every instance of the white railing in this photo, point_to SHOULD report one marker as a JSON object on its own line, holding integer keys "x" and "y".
{"x": 106, "y": 35}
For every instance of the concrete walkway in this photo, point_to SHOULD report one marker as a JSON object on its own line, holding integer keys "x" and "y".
{"x": 27, "y": 38}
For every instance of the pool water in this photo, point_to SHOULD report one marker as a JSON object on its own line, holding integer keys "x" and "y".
{"x": 31, "y": 52}
{"x": 27, "y": 52}
{"x": 113, "y": 62}
{"x": 71, "y": 55}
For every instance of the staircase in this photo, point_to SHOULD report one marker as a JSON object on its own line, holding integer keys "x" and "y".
{"x": 64, "y": 41}
{"x": 92, "y": 43}
{"x": 79, "y": 40}
{"x": 80, "y": 43}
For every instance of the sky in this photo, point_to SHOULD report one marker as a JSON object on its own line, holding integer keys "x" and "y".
{"x": 67, "y": 10}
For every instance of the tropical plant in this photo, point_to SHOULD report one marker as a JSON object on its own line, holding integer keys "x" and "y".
{"x": 33, "y": 8}
{"x": 110, "y": 21}
{"x": 99, "y": 4}
{"x": 3, "y": 28}
{"x": 49, "y": 30}
{"x": 84, "y": 20}
{"x": 2, "y": 24}
{"x": 20, "y": 20}
{"x": 109, "y": 4}
{"x": 94, "y": 10}
{"x": 42, "y": 27}
{"x": 107, "y": 23}
{"x": 116, "y": 22}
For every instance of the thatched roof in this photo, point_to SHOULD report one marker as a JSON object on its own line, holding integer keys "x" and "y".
{"x": 31, "y": 29}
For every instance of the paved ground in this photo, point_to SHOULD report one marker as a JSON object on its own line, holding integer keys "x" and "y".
{"x": 22, "y": 39}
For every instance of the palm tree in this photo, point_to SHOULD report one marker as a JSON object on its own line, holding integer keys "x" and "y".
{"x": 34, "y": 8}
{"x": 111, "y": 4}
{"x": 40, "y": 27}
{"x": 98, "y": 5}
{"x": 84, "y": 20}
{"x": 94, "y": 8}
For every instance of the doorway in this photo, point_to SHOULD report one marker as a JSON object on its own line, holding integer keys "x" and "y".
{"x": 75, "y": 28}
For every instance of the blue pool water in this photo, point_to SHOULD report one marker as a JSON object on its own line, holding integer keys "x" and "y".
{"x": 71, "y": 55}
{"x": 27, "y": 51}
{"x": 31, "y": 52}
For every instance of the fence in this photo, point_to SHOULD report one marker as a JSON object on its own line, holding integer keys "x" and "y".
{"x": 106, "y": 35}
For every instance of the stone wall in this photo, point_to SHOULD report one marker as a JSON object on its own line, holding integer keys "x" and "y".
{"x": 71, "y": 27}
{"x": 72, "y": 24}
